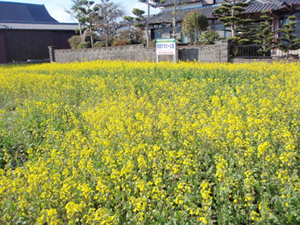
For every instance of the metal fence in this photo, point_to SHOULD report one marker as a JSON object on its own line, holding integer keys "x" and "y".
{"x": 266, "y": 51}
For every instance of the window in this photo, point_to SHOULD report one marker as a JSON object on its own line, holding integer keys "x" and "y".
{"x": 157, "y": 33}
{"x": 284, "y": 20}
{"x": 219, "y": 29}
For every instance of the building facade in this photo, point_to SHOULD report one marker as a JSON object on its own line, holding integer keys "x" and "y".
{"x": 161, "y": 24}
{"x": 26, "y": 31}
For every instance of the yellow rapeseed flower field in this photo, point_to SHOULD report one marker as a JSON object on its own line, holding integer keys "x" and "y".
{"x": 112, "y": 142}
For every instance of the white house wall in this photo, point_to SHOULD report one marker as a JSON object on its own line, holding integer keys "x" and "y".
{"x": 208, "y": 2}
{"x": 185, "y": 6}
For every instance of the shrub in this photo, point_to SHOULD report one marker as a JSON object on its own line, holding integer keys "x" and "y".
{"x": 99, "y": 44}
{"x": 152, "y": 43}
{"x": 84, "y": 45}
{"x": 74, "y": 41}
{"x": 120, "y": 42}
{"x": 209, "y": 37}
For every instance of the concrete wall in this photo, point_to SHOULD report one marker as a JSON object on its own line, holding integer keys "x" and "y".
{"x": 204, "y": 53}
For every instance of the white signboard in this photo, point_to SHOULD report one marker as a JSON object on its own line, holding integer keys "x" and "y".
{"x": 166, "y": 47}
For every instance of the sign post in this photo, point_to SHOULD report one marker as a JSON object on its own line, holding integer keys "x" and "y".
{"x": 166, "y": 47}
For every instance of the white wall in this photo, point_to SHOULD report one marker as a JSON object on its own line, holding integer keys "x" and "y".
{"x": 185, "y": 6}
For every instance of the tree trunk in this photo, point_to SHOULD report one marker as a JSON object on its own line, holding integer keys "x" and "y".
{"x": 83, "y": 36}
{"x": 91, "y": 35}
{"x": 191, "y": 38}
{"x": 80, "y": 30}
{"x": 232, "y": 31}
{"x": 92, "y": 40}
{"x": 232, "y": 26}
{"x": 147, "y": 24}
{"x": 106, "y": 39}
{"x": 174, "y": 23}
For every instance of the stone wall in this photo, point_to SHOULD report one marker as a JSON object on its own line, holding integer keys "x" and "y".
{"x": 202, "y": 53}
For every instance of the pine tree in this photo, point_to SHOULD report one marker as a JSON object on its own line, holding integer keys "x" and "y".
{"x": 154, "y": 4}
{"x": 288, "y": 40}
{"x": 88, "y": 14}
{"x": 140, "y": 18}
{"x": 76, "y": 13}
{"x": 228, "y": 14}
{"x": 265, "y": 36}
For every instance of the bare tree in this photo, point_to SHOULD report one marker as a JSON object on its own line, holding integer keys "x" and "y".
{"x": 174, "y": 14}
{"x": 107, "y": 22}
{"x": 174, "y": 17}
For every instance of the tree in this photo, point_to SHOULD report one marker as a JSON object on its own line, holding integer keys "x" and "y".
{"x": 288, "y": 40}
{"x": 76, "y": 12}
{"x": 136, "y": 26}
{"x": 193, "y": 23}
{"x": 107, "y": 22}
{"x": 140, "y": 18}
{"x": 134, "y": 36}
{"x": 74, "y": 41}
{"x": 174, "y": 14}
{"x": 228, "y": 13}
{"x": 265, "y": 36}
{"x": 154, "y": 4}
{"x": 88, "y": 17}
{"x": 209, "y": 37}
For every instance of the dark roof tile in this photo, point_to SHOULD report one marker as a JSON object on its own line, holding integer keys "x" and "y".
{"x": 23, "y": 12}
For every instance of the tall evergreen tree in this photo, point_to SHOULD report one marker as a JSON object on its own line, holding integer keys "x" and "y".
{"x": 140, "y": 18}
{"x": 76, "y": 13}
{"x": 228, "y": 13}
{"x": 265, "y": 36}
{"x": 154, "y": 4}
{"x": 89, "y": 14}
{"x": 288, "y": 40}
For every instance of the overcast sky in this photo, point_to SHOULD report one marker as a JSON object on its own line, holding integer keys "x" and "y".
{"x": 57, "y": 8}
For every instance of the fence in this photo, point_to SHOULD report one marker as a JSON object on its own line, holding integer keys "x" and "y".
{"x": 265, "y": 51}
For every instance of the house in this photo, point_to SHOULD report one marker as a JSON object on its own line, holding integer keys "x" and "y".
{"x": 26, "y": 31}
{"x": 160, "y": 25}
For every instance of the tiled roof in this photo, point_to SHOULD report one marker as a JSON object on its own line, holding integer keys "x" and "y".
{"x": 37, "y": 26}
{"x": 274, "y": 5}
{"x": 23, "y": 16}
{"x": 166, "y": 16}
{"x": 23, "y": 12}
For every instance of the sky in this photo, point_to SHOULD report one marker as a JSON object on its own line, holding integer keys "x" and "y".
{"x": 57, "y": 8}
